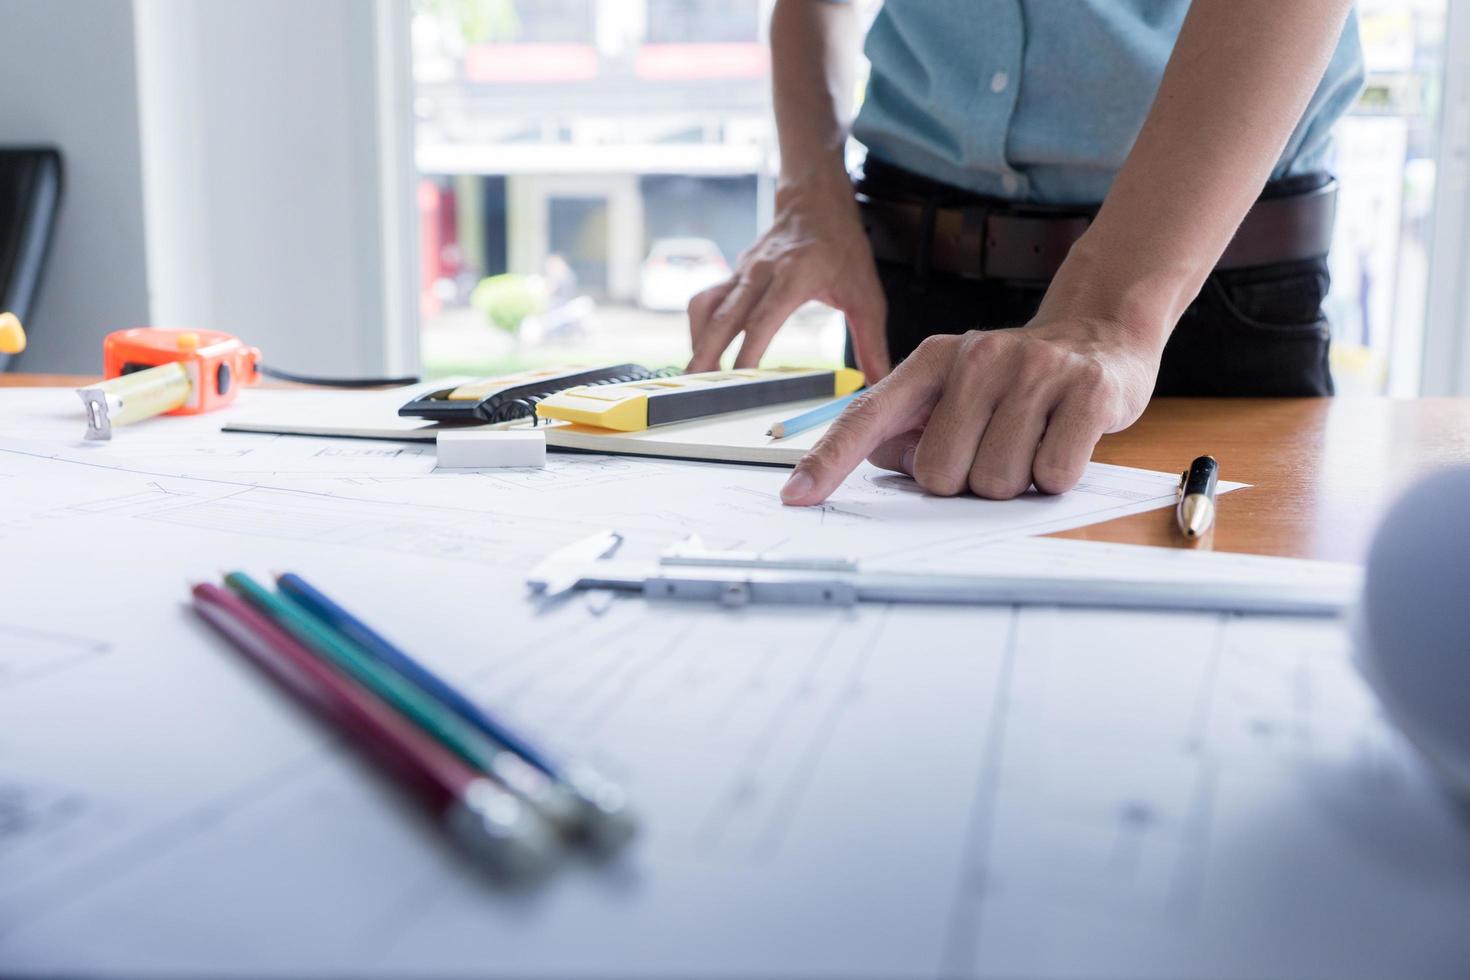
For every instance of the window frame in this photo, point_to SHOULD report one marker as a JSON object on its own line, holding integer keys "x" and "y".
{"x": 1446, "y": 358}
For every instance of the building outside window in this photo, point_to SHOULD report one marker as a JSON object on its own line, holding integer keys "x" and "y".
{"x": 587, "y": 165}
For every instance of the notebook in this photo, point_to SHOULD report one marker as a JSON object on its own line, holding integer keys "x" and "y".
{"x": 736, "y": 437}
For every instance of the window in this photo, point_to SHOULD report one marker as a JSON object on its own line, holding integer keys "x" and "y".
{"x": 587, "y": 165}
{"x": 1385, "y": 159}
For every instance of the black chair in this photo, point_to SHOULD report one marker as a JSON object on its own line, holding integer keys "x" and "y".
{"x": 30, "y": 195}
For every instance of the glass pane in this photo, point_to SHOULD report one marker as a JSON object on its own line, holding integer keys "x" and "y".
{"x": 1385, "y": 159}
{"x": 587, "y": 167}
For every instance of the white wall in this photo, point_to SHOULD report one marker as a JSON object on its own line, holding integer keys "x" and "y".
{"x": 280, "y": 200}
{"x": 67, "y": 78}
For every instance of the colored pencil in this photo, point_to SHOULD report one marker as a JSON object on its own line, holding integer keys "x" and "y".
{"x": 603, "y": 811}
{"x": 807, "y": 420}
{"x": 503, "y": 832}
{"x": 314, "y": 601}
{"x": 507, "y": 768}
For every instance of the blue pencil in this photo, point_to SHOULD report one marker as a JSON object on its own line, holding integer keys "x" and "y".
{"x": 603, "y": 804}
{"x": 806, "y": 420}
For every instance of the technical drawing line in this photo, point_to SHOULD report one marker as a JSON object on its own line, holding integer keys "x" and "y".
{"x": 73, "y": 649}
{"x": 507, "y": 687}
{"x": 89, "y": 643}
{"x": 1187, "y": 889}
{"x": 619, "y": 660}
{"x": 1200, "y": 717}
{"x": 957, "y": 543}
{"x": 621, "y": 689}
{"x": 961, "y": 948}
{"x": 748, "y": 772}
{"x": 155, "y": 494}
{"x": 322, "y": 495}
{"x": 783, "y": 812}
{"x": 413, "y": 905}
{"x": 667, "y": 688}
{"x": 61, "y": 888}
{"x": 732, "y": 702}
{"x": 28, "y": 810}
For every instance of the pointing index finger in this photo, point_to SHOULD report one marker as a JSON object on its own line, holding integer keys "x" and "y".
{"x": 896, "y": 404}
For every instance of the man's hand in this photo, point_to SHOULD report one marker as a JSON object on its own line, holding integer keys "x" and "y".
{"x": 815, "y": 249}
{"x": 990, "y": 412}
{"x": 996, "y": 412}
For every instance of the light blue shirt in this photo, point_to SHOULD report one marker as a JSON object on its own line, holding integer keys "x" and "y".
{"x": 1041, "y": 100}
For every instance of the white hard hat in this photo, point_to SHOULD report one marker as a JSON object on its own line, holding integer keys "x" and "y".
{"x": 1413, "y": 629}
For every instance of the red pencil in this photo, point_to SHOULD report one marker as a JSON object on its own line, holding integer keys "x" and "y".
{"x": 493, "y": 824}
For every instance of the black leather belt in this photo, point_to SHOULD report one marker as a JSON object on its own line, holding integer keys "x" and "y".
{"x": 1016, "y": 242}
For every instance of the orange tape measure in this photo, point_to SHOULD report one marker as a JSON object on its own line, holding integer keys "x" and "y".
{"x": 154, "y": 371}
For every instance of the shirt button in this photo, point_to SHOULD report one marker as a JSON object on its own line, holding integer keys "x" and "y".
{"x": 1010, "y": 182}
{"x": 999, "y": 81}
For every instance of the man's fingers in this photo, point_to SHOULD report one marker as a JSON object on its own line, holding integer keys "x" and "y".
{"x": 897, "y": 404}
{"x": 702, "y": 308}
{"x": 870, "y": 345}
{"x": 1002, "y": 466}
{"x": 723, "y": 324}
{"x": 867, "y": 316}
{"x": 727, "y": 320}
{"x": 1066, "y": 447}
{"x": 778, "y": 303}
{"x": 897, "y": 454}
{"x": 953, "y": 432}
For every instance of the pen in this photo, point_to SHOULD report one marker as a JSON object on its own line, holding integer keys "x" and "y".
{"x": 602, "y": 807}
{"x": 1196, "y": 511}
{"x": 507, "y": 768}
{"x": 815, "y": 417}
{"x": 492, "y": 824}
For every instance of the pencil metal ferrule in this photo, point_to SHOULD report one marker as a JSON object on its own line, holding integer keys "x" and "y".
{"x": 553, "y": 802}
{"x": 608, "y": 820}
{"x": 500, "y": 830}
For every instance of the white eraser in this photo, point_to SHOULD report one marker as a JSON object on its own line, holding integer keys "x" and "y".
{"x": 484, "y": 449}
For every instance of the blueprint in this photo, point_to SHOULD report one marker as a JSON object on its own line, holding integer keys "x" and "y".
{"x": 875, "y": 792}
{"x": 292, "y": 485}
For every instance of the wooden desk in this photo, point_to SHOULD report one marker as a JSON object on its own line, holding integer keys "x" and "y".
{"x": 1321, "y": 469}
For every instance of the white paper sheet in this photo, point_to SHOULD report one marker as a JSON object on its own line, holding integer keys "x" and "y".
{"x": 874, "y": 515}
{"x": 881, "y": 513}
{"x": 886, "y": 792}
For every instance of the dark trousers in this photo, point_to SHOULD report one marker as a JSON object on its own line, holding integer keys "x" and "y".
{"x": 1257, "y": 332}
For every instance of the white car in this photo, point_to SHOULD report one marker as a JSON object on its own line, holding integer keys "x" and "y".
{"x": 678, "y": 268}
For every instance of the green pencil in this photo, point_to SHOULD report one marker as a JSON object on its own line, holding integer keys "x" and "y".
{"x": 517, "y": 775}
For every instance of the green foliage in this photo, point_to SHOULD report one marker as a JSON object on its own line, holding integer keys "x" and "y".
{"x": 508, "y": 299}
{"x": 479, "y": 21}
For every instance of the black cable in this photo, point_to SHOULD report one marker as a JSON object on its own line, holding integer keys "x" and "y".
{"x": 306, "y": 379}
